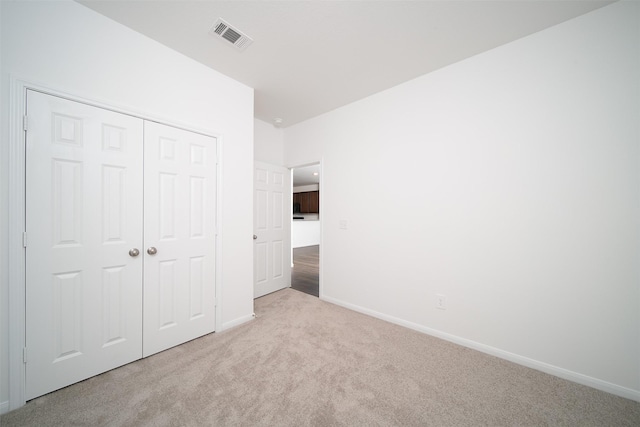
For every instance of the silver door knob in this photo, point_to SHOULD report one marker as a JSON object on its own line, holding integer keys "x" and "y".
{"x": 134, "y": 252}
{"x": 152, "y": 251}
{"x": 255, "y": 237}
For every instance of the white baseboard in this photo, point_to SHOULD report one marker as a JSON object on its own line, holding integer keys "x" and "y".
{"x": 515, "y": 358}
{"x": 236, "y": 322}
{"x": 4, "y": 407}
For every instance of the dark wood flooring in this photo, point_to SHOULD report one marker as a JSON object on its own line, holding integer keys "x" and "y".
{"x": 305, "y": 276}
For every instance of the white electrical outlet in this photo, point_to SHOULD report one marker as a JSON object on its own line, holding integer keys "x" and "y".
{"x": 343, "y": 224}
{"x": 441, "y": 301}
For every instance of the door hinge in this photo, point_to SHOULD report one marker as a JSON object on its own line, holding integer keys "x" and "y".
{"x": 24, "y": 355}
{"x": 25, "y": 122}
{"x": 24, "y": 239}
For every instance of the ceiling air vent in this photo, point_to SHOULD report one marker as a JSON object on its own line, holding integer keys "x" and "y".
{"x": 224, "y": 30}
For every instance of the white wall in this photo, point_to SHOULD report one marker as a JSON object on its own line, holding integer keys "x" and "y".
{"x": 70, "y": 48}
{"x": 268, "y": 143}
{"x": 507, "y": 182}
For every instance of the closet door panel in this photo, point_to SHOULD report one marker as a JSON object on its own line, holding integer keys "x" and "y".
{"x": 83, "y": 216}
{"x": 180, "y": 236}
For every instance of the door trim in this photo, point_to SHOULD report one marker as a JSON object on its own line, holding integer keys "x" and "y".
{"x": 16, "y": 218}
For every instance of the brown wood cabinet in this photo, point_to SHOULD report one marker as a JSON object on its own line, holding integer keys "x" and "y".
{"x": 309, "y": 201}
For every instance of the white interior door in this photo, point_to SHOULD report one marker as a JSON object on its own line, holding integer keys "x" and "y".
{"x": 83, "y": 216}
{"x": 180, "y": 236}
{"x": 272, "y": 228}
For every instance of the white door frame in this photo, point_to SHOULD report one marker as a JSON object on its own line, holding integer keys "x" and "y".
{"x": 16, "y": 219}
{"x": 320, "y": 215}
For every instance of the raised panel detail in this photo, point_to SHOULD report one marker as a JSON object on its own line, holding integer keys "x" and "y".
{"x": 113, "y": 203}
{"x": 278, "y": 257}
{"x": 67, "y": 315}
{"x": 198, "y": 153}
{"x": 262, "y": 176}
{"x": 278, "y": 179}
{"x": 67, "y": 129}
{"x": 167, "y": 288}
{"x": 67, "y": 202}
{"x": 278, "y": 214}
{"x": 167, "y": 149}
{"x": 196, "y": 287}
{"x": 261, "y": 209}
{"x": 113, "y": 320}
{"x": 167, "y": 208}
{"x": 196, "y": 206}
{"x": 261, "y": 262}
{"x": 114, "y": 138}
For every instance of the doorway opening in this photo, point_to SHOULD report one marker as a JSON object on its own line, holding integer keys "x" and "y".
{"x": 306, "y": 229}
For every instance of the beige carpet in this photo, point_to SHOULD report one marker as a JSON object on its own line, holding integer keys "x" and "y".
{"x": 306, "y": 362}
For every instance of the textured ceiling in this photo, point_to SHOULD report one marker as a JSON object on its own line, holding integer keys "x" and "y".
{"x": 310, "y": 57}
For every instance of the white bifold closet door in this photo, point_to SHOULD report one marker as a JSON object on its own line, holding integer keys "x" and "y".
{"x": 93, "y": 215}
{"x": 179, "y": 224}
{"x": 83, "y": 215}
